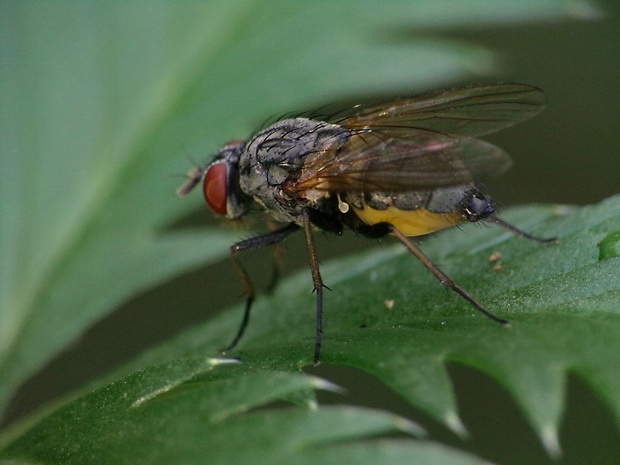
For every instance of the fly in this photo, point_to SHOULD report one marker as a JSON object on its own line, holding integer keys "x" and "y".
{"x": 404, "y": 168}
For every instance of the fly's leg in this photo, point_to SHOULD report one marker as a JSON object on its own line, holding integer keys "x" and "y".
{"x": 257, "y": 242}
{"x": 318, "y": 285}
{"x": 517, "y": 232}
{"x": 441, "y": 276}
{"x": 278, "y": 264}
{"x": 277, "y": 253}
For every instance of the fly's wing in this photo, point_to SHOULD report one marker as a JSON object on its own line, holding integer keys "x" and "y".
{"x": 467, "y": 111}
{"x": 422, "y": 142}
{"x": 419, "y": 160}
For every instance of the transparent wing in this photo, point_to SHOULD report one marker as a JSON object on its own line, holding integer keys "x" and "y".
{"x": 422, "y": 142}
{"x": 373, "y": 161}
{"x": 466, "y": 111}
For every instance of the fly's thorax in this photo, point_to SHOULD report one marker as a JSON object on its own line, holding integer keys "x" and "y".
{"x": 416, "y": 213}
{"x": 276, "y": 156}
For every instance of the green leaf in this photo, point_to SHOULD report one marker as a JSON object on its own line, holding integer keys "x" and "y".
{"x": 100, "y": 100}
{"x": 205, "y": 411}
{"x": 561, "y": 299}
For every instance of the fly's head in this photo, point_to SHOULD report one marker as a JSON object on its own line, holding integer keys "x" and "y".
{"x": 220, "y": 182}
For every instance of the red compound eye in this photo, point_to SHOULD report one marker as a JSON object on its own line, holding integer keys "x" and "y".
{"x": 214, "y": 188}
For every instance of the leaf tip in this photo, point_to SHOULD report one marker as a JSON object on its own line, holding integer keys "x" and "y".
{"x": 411, "y": 427}
{"x": 323, "y": 384}
{"x": 550, "y": 441}
{"x": 455, "y": 424}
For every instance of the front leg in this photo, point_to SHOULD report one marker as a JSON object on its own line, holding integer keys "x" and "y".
{"x": 257, "y": 242}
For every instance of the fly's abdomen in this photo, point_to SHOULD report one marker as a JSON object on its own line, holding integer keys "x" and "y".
{"x": 411, "y": 223}
{"x": 413, "y": 213}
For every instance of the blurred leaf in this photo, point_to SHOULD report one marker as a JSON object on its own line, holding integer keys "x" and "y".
{"x": 99, "y": 101}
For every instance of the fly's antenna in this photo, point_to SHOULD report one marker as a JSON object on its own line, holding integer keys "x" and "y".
{"x": 194, "y": 176}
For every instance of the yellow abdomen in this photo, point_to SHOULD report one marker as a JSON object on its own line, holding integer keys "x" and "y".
{"x": 409, "y": 222}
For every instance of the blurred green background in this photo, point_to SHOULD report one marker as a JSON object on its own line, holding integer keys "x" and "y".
{"x": 566, "y": 155}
